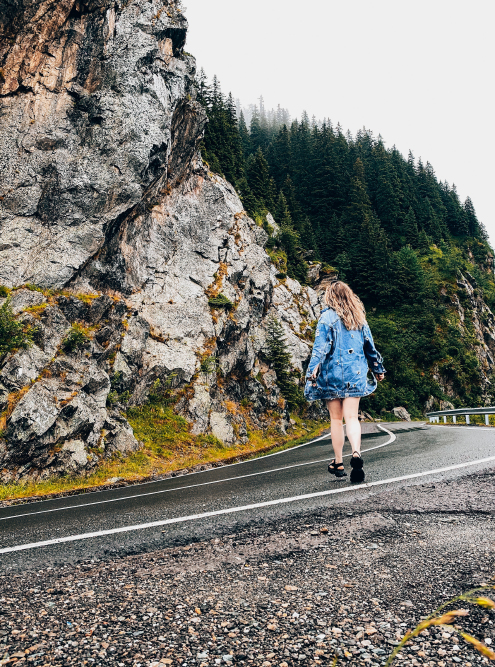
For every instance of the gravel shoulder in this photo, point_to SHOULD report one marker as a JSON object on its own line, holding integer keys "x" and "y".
{"x": 347, "y": 580}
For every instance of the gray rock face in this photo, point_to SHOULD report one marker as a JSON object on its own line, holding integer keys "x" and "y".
{"x": 94, "y": 100}
{"x": 471, "y": 310}
{"x": 106, "y": 199}
{"x": 25, "y": 298}
{"x": 402, "y": 413}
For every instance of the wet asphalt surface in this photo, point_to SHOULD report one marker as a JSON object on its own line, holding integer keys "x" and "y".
{"x": 296, "y": 584}
{"x": 292, "y": 473}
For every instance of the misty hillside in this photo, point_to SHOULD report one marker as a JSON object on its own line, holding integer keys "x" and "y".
{"x": 418, "y": 256}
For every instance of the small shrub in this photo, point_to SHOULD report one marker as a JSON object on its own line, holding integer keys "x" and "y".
{"x": 208, "y": 365}
{"x": 13, "y": 334}
{"x": 4, "y": 291}
{"x": 220, "y": 301}
{"x": 33, "y": 288}
{"x": 76, "y": 338}
{"x": 210, "y": 441}
{"x": 125, "y": 396}
{"x": 112, "y": 398}
{"x": 161, "y": 393}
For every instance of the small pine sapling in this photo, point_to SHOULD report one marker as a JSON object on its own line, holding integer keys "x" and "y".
{"x": 279, "y": 358}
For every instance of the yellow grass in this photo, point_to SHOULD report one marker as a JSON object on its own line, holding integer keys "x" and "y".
{"x": 168, "y": 446}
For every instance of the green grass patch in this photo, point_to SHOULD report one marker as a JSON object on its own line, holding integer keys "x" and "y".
{"x": 168, "y": 445}
{"x": 220, "y": 301}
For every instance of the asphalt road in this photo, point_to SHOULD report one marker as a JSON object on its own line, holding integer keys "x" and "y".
{"x": 219, "y": 501}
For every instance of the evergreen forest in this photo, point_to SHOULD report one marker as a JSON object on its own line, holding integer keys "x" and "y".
{"x": 383, "y": 222}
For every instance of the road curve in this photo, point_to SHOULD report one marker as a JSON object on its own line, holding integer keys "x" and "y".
{"x": 214, "y": 502}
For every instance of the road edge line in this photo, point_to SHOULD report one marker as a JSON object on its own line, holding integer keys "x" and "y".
{"x": 244, "y": 508}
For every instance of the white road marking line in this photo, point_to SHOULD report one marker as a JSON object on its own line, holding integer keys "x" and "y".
{"x": 244, "y": 508}
{"x": 469, "y": 428}
{"x": 192, "y": 486}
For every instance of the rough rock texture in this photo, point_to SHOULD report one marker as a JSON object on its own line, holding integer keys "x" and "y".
{"x": 57, "y": 409}
{"x": 402, "y": 413}
{"x": 103, "y": 193}
{"x": 95, "y": 94}
{"x": 470, "y": 305}
{"x": 475, "y": 318}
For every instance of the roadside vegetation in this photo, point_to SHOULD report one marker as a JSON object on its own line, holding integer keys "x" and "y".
{"x": 168, "y": 446}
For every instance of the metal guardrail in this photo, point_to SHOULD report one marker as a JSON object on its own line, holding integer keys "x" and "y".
{"x": 461, "y": 412}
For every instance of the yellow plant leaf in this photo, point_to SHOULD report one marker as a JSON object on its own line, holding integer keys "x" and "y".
{"x": 485, "y": 602}
{"x": 479, "y": 646}
{"x": 447, "y": 618}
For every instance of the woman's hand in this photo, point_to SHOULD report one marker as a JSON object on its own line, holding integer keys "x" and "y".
{"x": 380, "y": 376}
{"x": 314, "y": 374}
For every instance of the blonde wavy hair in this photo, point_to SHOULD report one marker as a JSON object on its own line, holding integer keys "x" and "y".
{"x": 346, "y": 304}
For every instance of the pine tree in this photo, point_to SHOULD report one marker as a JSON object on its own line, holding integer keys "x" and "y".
{"x": 280, "y": 157}
{"x": 473, "y": 224}
{"x": 245, "y": 136}
{"x": 248, "y": 200}
{"x": 293, "y": 203}
{"x": 257, "y": 132}
{"x": 308, "y": 238}
{"x": 455, "y": 219}
{"x": 386, "y": 191}
{"x": 370, "y": 256}
{"x": 423, "y": 242}
{"x": 411, "y": 229}
{"x": 279, "y": 358}
{"x": 281, "y": 209}
{"x": 260, "y": 182}
{"x": 359, "y": 208}
{"x": 409, "y": 276}
{"x": 290, "y": 241}
{"x": 343, "y": 265}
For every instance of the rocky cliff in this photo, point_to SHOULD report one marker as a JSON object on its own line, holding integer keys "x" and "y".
{"x": 477, "y": 323}
{"x": 109, "y": 220}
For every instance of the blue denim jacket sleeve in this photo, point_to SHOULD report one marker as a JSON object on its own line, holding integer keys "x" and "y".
{"x": 375, "y": 361}
{"x": 323, "y": 342}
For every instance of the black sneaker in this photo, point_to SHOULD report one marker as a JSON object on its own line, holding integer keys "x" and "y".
{"x": 357, "y": 472}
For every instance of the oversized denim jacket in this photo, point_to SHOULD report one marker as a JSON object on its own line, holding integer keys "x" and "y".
{"x": 343, "y": 358}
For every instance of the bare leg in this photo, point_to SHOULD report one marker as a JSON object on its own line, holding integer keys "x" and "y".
{"x": 335, "y": 409}
{"x": 350, "y": 409}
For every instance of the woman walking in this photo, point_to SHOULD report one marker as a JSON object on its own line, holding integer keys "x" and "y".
{"x": 338, "y": 371}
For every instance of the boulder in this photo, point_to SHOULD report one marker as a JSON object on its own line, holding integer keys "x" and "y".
{"x": 314, "y": 273}
{"x": 221, "y": 427}
{"x": 23, "y": 367}
{"x": 24, "y": 298}
{"x": 402, "y": 413}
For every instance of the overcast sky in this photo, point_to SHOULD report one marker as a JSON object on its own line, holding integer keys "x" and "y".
{"x": 418, "y": 73}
